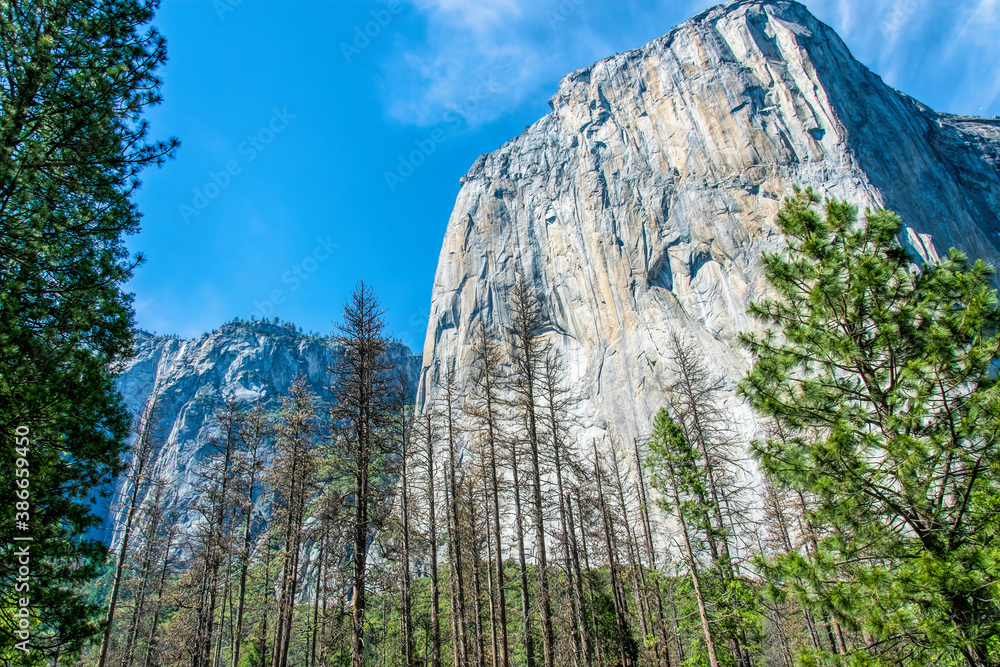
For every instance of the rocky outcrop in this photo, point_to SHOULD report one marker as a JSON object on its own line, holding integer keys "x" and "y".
{"x": 243, "y": 360}
{"x": 641, "y": 204}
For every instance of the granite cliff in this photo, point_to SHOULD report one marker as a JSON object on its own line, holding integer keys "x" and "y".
{"x": 243, "y": 360}
{"x": 641, "y": 204}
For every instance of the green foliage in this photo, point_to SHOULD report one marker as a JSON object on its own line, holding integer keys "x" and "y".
{"x": 883, "y": 372}
{"x": 75, "y": 80}
{"x": 678, "y": 472}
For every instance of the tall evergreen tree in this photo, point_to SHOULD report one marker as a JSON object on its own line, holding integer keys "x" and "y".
{"x": 677, "y": 475}
{"x": 363, "y": 415}
{"x": 882, "y": 372}
{"x": 75, "y": 81}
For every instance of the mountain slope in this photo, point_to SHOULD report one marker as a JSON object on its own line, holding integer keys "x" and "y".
{"x": 641, "y": 204}
{"x": 243, "y": 360}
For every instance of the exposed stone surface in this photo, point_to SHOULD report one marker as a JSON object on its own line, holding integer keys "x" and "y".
{"x": 641, "y": 204}
{"x": 242, "y": 360}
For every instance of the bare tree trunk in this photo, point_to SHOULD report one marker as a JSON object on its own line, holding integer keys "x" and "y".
{"x": 631, "y": 544}
{"x": 529, "y": 640}
{"x": 693, "y": 569}
{"x": 577, "y": 584}
{"x": 590, "y": 587}
{"x": 432, "y": 537}
{"x": 487, "y": 379}
{"x": 452, "y": 489}
{"x": 527, "y": 355}
{"x": 621, "y": 624}
{"x": 311, "y": 657}
{"x": 142, "y": 449}
{"x": 406, "y": 604}
{"x": 651, "y": 558}
{"x": 556, "y": 406}
{"x": 476, "y": 583}
{"x": 494, "y": 614}
{"x": 254, "y": 429}
{"x": 161, "y": 587}
{"x": 293, "y": 470}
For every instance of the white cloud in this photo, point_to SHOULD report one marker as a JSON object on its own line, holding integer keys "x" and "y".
{"x": 479, "y": 60}
{"x": 520, "y": 47}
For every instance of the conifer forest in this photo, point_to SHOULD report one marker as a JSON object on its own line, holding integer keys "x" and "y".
{"x": 834, "y": 503}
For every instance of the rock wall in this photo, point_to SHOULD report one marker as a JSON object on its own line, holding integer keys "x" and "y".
{"x": 641, "y": 204}
{"x": 242, "y": 360}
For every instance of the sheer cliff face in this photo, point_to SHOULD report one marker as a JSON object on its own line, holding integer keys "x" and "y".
{"x": 191, "y": 377}
{"x": 642, "y": 203}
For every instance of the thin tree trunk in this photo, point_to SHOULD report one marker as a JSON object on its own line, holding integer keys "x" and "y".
{"x": 476, "y": 584}
{"x": 621, "y": 626}
{"x": 590, "y": 586}
{"x": 406, "y": 612}
{"x": 651, "y": 558}
{"x": 155, "y": 619}
{"x": 494, "y": 650}
{"x": 695, "y": 581}
{"x": 577, "y": 584}
{"x": 432, "y": 529}
{"x": 529, "y": 641}
{"x": 457, "y": 578}
{"x": 140, "y": 457}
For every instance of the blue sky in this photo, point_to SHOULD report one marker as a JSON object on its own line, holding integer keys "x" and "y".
{"x": 290, "y": 117}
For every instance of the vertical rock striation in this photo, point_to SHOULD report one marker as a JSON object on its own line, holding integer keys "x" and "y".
{"x": 641, "y": 204}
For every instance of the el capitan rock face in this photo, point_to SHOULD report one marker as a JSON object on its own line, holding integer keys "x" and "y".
{"x": 641, "y": 204}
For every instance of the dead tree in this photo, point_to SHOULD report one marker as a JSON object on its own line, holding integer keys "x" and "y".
{"x": 488, "y": 379}
{"x": 647, "y": 531}
{"x": 153, "y": 514}
{"x": 452, "y": 489}
{"x": 147, "y": 439}
{"x": 625, "y": 500}
{"x": 293, "y": 475}
{"x": 429, "y": 455}
{"x": 624, "y": 634}
{"x": 215, "y": 505}
{"x": 169, "y": 539}
{"x": 697, "y": 401}
{"x": 527, "y": 353}
{"x": 406, "y": 593}
{"x": 557, "y": 400}
{"x": 255, "y": 428}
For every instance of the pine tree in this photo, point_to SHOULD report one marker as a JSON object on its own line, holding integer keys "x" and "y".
{"x": 676, "y": 474}
{"x": 882, "y": 372}
{"x": 75, "y": 81}
{"x": 292, "y": 476}
{"x": 363, "y": 417}
{"x": 697, "y": 400}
